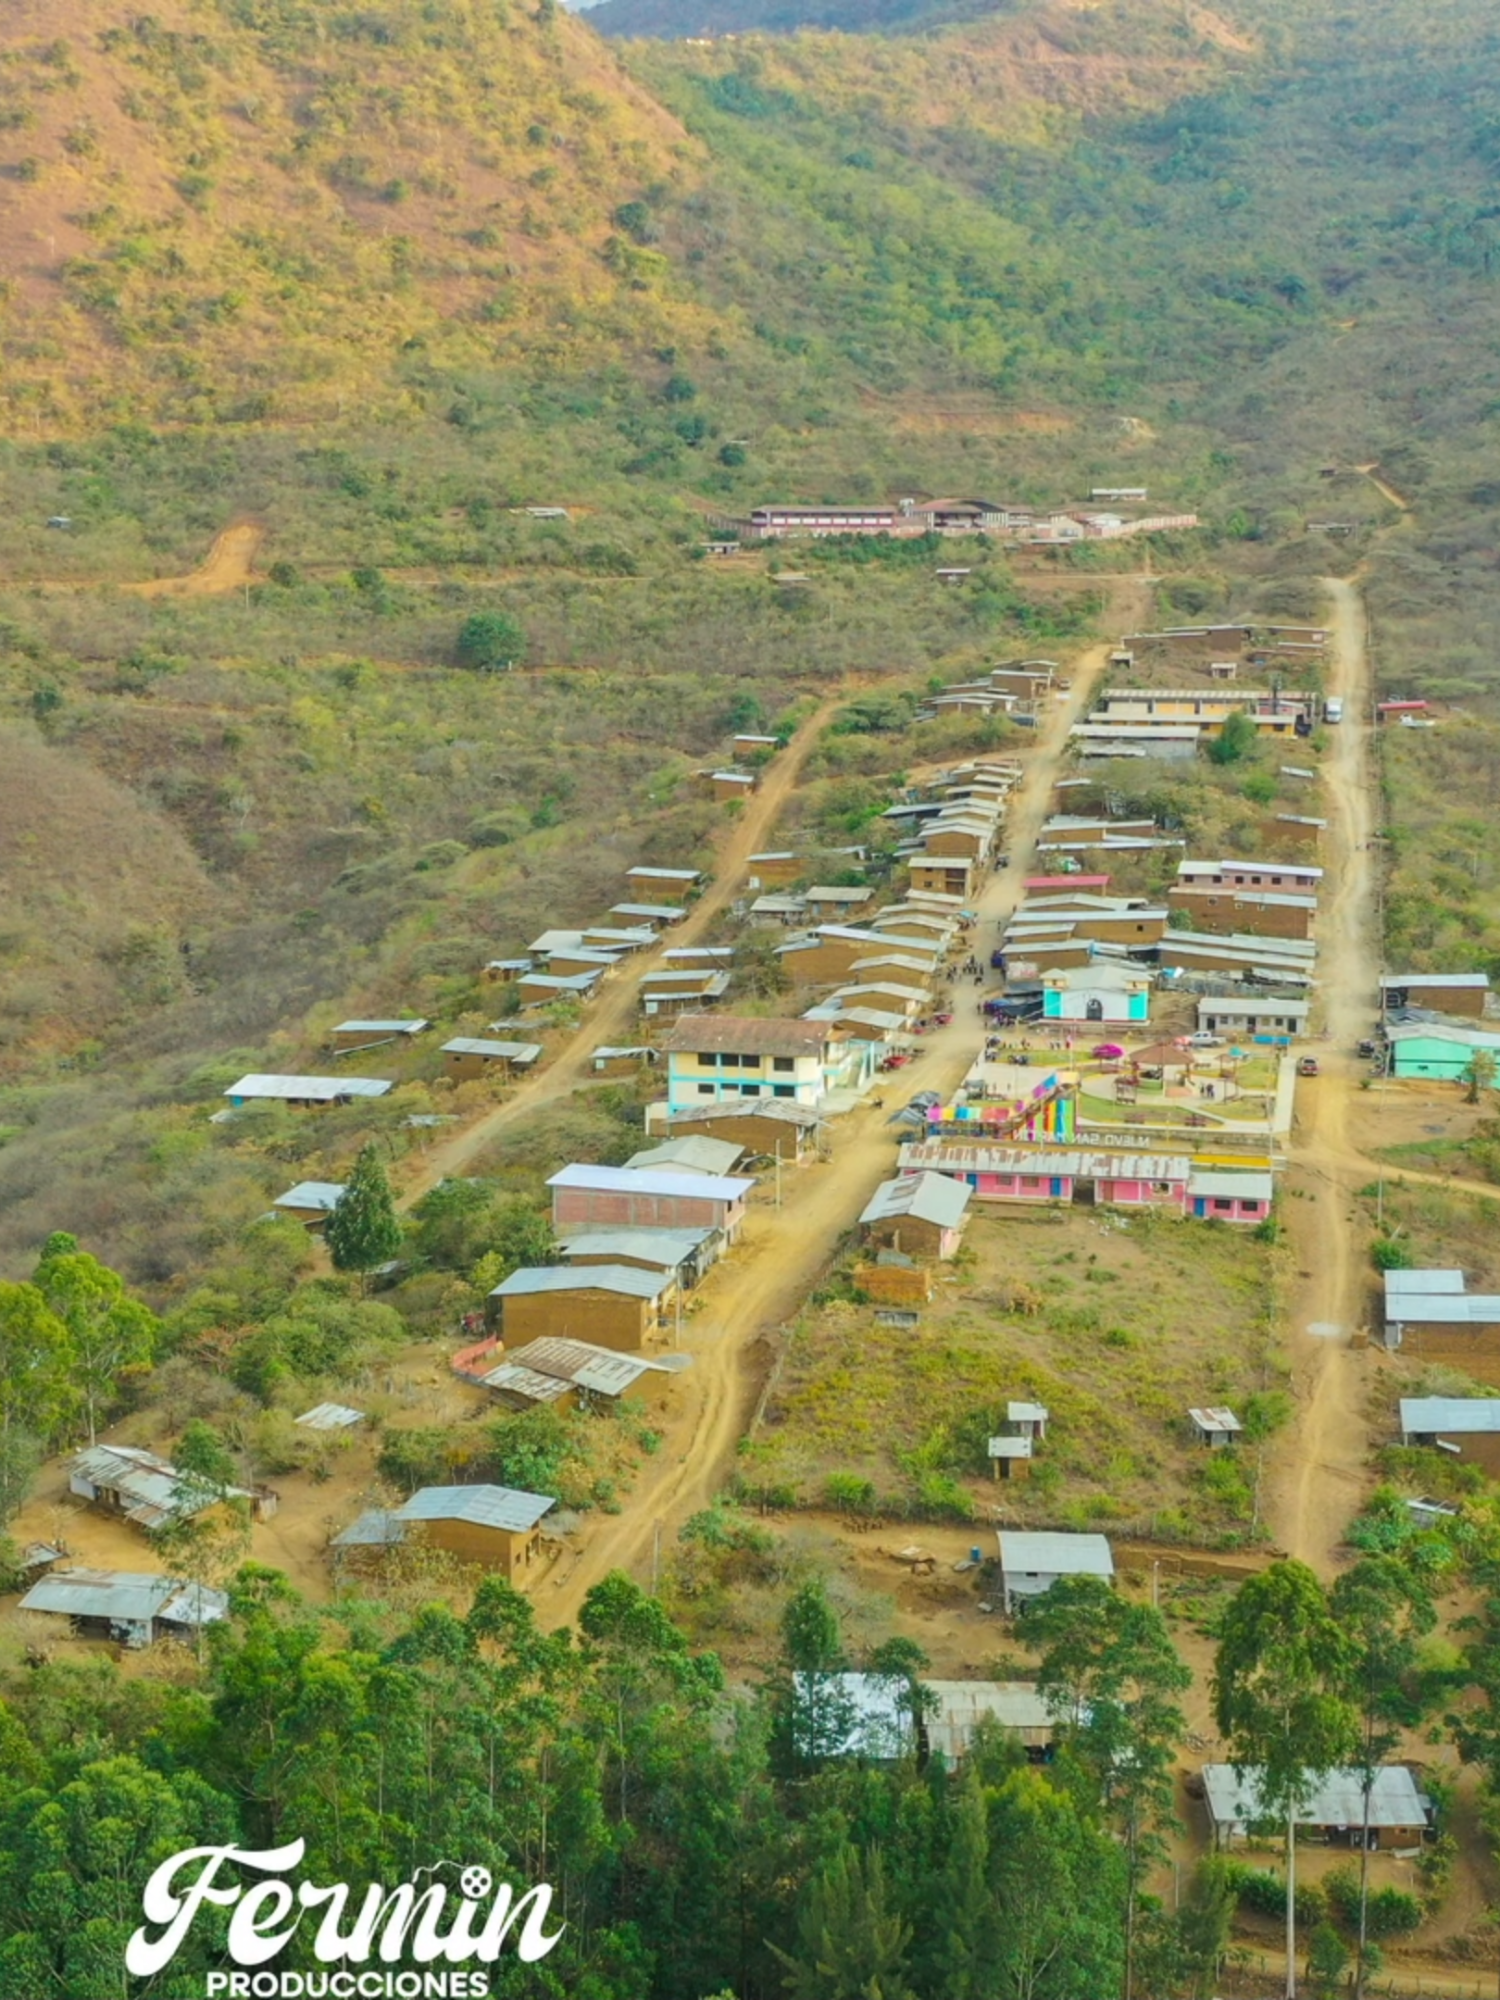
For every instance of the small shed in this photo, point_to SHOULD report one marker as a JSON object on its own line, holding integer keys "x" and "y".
{"x": 1031, "y": 1563}
{"x": 506, "y": 971}
{"x": 310, "y": 1202}
{"x": 1010, "y": 1457}
{"x": 560, "y": 1373}
{"x": 685, "y": 1253}
{"x": 1214, "y": 1195}
{"x": 1027, "y": 1420}
{"x": 150, "y": 1491}
{"x": 467, "y": 1058}
{"x": 922, "y": 1214}
{"x": 1216, "y": 1427}
{"x": 609, "y": 1060}
{"x": 667, "y": 885}
{"x": 496, "y": 1526}
{"x": 330, "y": 1417}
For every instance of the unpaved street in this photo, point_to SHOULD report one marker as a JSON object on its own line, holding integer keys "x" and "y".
{"x": 761, "y": 1286}
{"x": 1315, "y": 1480}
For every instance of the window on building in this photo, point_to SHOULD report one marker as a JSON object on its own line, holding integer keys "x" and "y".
{"x": 1222, "y": 1202}
{"x": 784, "y": 1063}
{"x": 749, "y": 1062}
{"x": 749, "y": 1090}
{"x": 783, "y": 1090}
{"x": 705, "y": 1090}
{"x": 730, "y": 1062}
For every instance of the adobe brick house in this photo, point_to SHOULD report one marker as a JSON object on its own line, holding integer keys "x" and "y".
{"x": 623, "y": 1195}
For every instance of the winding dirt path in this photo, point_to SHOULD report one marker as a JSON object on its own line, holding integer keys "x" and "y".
{"x": 744, "y": 1301}
{"x": 226, "y": 567}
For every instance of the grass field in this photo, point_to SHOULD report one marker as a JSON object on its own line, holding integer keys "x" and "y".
{"x": 1117, "y": 1326}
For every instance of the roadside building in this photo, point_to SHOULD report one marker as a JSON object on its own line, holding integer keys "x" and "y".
{"x": 1439, "y": 1319}
{"x": 1031, "y": 1563}
{"x": 1462, "y": 1427}
{"x": 920, "y": 1214}
{"x": 685, "y": 1254}
{"x": 1457, "y": 993}
{"x": 564, "y": 1374}
{"x": 1245, "y": 1016}
{"x": 494, "y": 1526}
{"x": 765, "y": 1127}
{"x": 686, "y": 991}
{"x": 1438, "y": 1050}
{"x": 538, "y": 988}
{"x": 612, "y": 1061}
{"x": 1101, "y": 992}
{"x": 583, "y": 1195}
{"x": 467, "y": 1058}
{"x": 776, "y": 869}
{"x": 714, "y": 1058}
{"x": 619, "y": 1306}
{"x": 1230, "y": 1195}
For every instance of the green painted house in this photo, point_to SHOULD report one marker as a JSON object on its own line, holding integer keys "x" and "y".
{"x": 1439, "y": 1049}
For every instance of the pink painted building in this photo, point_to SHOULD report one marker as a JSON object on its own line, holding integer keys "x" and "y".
{"x": 1042, "y": 1174}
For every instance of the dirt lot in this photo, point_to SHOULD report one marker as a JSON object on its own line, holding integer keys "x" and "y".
{"x": 1117, "y": 1325}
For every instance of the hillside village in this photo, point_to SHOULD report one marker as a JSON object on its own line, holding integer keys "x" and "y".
{"x": 1115, "y": 1034}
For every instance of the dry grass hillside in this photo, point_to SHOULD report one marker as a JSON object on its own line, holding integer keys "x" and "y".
{"x": 247, "y": 208}
{"x": 95, "y": 886}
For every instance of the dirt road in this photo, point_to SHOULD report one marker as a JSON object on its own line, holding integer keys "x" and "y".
{"x": 1317, "y": 1477}
{"x": 614, "y": 1016}
{"x": 785, "y": 1249}
{"x": 226, "y": 567}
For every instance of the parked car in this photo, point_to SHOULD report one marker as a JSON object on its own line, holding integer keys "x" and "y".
{"x": 1308, "y": 1066}
{"x": 1367, "y": 1050}
{"x": 1204, "y": 1040}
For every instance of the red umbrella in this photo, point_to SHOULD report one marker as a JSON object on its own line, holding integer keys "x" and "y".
{"x": 1108, "y": 1051}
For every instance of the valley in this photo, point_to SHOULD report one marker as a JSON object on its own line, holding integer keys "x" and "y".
{"x": 748, "y": 1151}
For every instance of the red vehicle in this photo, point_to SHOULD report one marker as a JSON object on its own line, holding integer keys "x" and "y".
{"x": 941, "y": 1020}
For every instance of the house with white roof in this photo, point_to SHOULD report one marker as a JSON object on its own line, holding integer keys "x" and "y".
{"x": 1031, "y": 1563}
{"x": 1462, "y": 1427}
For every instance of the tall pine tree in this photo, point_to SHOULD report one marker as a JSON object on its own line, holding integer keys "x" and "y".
{"x": 363, "y": 1229}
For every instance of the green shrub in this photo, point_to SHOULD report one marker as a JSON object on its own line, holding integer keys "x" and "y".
{"x": 850, "y": 1494}
{"x": 1387, "y": 1253}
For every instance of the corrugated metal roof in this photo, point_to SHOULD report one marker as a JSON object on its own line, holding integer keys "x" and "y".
{"x": 719, "y": 1034}
{"x": 1332, "y": 1798}
{"x": 376, "y": 1528}
{"x": 627, "y": 1180}
{"x": 622, "y": 1278}
{"x": 506, "y": 1507}
{"x": 151, "y": 1489}
{"x": 330, "y": 1417}
{"x": 694, "y": 1152}
{"x": 666, "y": 1248}
{"x": 1215, "y": 1419}
{"x": 1400, "y": 1284}
{"x": 1026, "y": 1413}
{"x": 381, "y": 1027}
{"x": 1459, "y": 980}
{"x": 510, "y": 1379}
{"x": 128, "y": 1597}
{"x": 1053, "y": 1554}
{"x": 782, "y": 1110}
{"x": 925, "y": 1197}
{"x": 311, "y": 1194}
{"x": 1465, "y": 1416}
{"x": 308, "y": 1087}
{"x": 514, "y": 1052}
{"x": 663, "y": 874}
